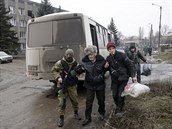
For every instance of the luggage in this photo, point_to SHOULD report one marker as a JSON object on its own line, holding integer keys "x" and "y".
{"x": 147, "y": 69}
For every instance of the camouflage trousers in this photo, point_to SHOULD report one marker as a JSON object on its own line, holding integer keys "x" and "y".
{"x": 71, "y": 92}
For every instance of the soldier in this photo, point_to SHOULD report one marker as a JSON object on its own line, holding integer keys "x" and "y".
{"x": 67, "y": 84}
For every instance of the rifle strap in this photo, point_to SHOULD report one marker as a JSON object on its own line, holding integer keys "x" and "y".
{"x": 66, "y": 66}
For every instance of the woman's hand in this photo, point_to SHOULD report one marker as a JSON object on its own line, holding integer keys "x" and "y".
{"x": 106, "y": 65}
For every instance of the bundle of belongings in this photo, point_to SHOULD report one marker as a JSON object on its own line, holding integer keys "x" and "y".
{"x": 135, "y": 89}
{"x": 146, "y": 69}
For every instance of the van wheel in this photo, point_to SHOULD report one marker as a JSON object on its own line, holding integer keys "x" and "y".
{"x": 0, "y": 61}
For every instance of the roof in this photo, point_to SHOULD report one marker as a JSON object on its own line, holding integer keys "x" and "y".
{"x": 169, "y": 34}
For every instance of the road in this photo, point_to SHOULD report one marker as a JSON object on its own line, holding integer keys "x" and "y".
{"x": 24, "y": 104}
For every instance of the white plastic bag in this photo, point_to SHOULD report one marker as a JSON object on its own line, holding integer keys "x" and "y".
{"x": 135, "y": 89}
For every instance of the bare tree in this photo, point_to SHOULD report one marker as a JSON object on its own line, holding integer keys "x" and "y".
{"x": 165, "y": 29}
{"x": 155, "y": 39}
{"x": 141, "y": 33}
{"x": 121, "y": 38}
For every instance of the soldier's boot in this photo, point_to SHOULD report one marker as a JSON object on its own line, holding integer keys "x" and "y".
{"x": 101, "y": 117}
{"x": 76, "y": 115}
{"x": 61, "y": 121}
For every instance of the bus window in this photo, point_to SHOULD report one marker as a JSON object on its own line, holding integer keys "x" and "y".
{"x": 40, "y": 34}
{"x": 109, "y": 38}
{"x": 94, "y": 35}
{"x": 69, "y": 31}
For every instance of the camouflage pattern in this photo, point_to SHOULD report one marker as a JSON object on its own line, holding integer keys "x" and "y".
{"x": 71, "y": 91}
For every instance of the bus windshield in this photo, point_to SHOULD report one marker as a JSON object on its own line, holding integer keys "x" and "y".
{"x": 68, "y": 31}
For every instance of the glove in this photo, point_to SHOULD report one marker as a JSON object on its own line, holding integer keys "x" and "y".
{"x": 114, "y": 73}
{"x": 134, "y": 79}
{"x": 73, "y": 73}
{"x": 79, "y": 69}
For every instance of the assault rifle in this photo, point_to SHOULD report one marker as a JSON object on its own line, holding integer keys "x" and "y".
{"x": 65, "y": 76}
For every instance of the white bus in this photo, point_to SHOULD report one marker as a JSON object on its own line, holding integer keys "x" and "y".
{"x": 49, "y": 36}
{"x": 131, "y": 43}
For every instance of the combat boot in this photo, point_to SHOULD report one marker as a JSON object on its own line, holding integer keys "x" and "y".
{"x": 76, "y": 115}
{"x": 101, "y": 117}
{"x": 86, "y": 122}
{"x": 61, "y": 121}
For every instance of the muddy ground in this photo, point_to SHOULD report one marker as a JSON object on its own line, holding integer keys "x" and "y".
{"x": 24, "y": 105}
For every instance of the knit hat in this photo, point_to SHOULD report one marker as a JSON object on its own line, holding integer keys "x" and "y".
{"x": 132, "y": 47}
{"x": 90, "y": 49}
{"x": 69, "y": 53}
{"x": 110, "y": 44}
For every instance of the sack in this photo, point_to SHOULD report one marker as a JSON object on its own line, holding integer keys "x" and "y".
{"x": 135, "y": 89}
{"x": 147, "y": 69}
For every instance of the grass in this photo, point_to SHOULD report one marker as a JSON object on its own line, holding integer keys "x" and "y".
{"x": 149, "y": 111}
{"x": 165, "y": 56}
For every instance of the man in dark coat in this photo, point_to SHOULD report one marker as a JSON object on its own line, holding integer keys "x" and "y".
{"x": 121, "y": 68}
{"x": 93, "y": 66}
{"x": 135, "y": 56}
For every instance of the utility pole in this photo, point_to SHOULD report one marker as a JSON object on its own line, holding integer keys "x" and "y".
{"x": 159, "y": 38}
{"x": 151, "y": 31}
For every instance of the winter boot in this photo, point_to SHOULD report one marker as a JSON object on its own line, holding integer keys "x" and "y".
{"x": 119, "y": 112}
{"x": 61, "y": 121}
{"x": 76, "y": 115}
{"x": 86, "y": 121}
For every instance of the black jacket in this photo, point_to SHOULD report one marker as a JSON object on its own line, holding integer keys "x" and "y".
{"x": 94, "y": 77}
{"x": 135, "y": 57}
{"x": 120, "y": 67}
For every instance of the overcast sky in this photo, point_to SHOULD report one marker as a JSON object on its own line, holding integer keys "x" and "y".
{"x": 128, "y": 15}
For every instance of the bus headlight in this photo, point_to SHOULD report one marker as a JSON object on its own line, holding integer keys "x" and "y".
{"x": 33, "y": 68}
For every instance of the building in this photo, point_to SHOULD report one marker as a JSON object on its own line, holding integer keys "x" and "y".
{"x": 167, "y": 39}
{"x": 20, "y": 11}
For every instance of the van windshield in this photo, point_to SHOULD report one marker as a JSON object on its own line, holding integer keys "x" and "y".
{"x": 68, "y": 31}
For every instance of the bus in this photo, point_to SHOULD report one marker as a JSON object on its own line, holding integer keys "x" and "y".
{"x": 131, "y": 43}
{"x": 49, "y": 36}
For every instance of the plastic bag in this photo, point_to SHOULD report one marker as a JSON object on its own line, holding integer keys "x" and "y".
{"x": 147, "y": 69}
{"x": 135, "y": 89}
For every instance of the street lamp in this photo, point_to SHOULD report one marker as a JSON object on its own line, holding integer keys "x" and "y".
{"x": 159, "y": 39}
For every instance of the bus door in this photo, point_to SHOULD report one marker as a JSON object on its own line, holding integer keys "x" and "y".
{"x": 94, "y": 36}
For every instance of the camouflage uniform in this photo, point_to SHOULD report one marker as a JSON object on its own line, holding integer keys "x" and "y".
{"x": 64, "y": 66}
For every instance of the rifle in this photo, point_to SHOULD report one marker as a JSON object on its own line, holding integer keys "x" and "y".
{"x": 65, "y": 76}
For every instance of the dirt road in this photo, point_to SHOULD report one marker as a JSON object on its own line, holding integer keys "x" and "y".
{"x": 23, "y": 102}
